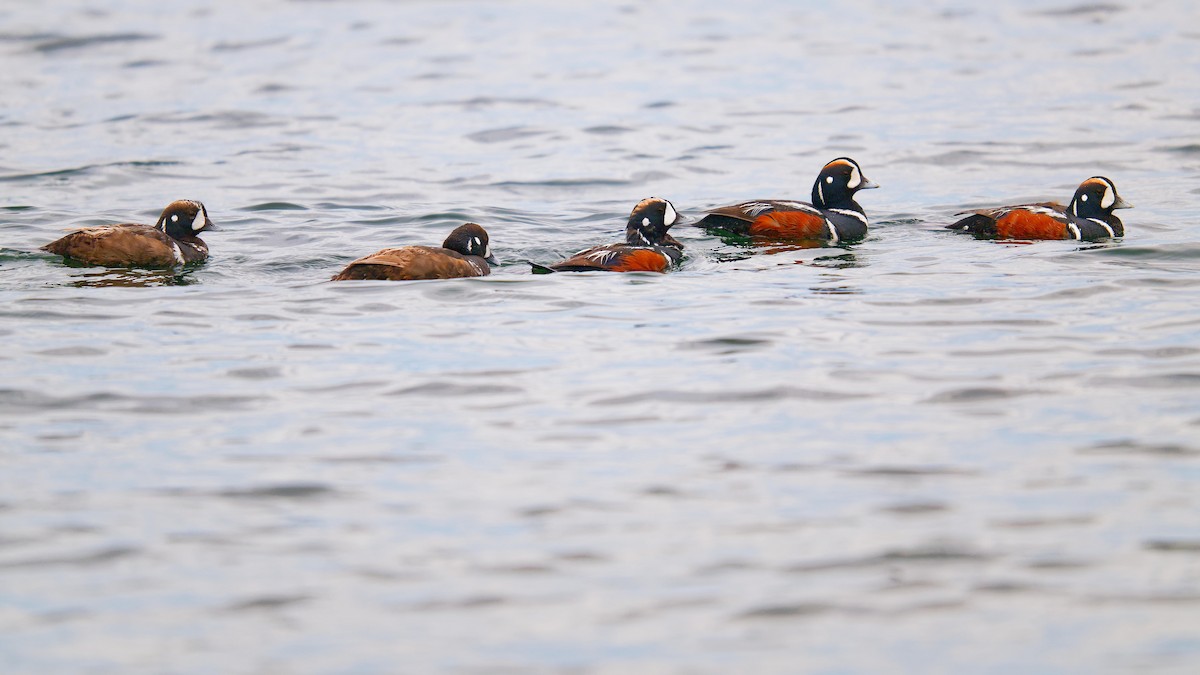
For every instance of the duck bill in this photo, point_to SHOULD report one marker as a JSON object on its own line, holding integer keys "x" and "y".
{"x": 868, "y": 184}
{"x": 1121, "y": 204}
{"x": 491, "y": 260}
{"x": 208, "y": 225}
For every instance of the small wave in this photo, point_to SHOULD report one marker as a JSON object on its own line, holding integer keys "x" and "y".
{"x": 727, "y": 345}
{"x": 452, "y": 390}
{"x": 85, "y": 169}
{"x": 19, "y": 401}
{"x": 1164, "y": 381}
{"x": 280, "y": 491}
{"x": 248, "y": 44}
{"x": 274, "y": 206}
{"x": 979, "y": 394}
{"x": 930, "y": 553}
{"x": 791, "y": 610}
{"x": 504, "y": 134}
{"x": 267, "y": 603}
{"x": 1181, "y": 251}
{"x": 1173, "y": 545}
{"x": 1137, "y": 448}
{"x": 744, "y": 396}
{"x": 104, "y": 555}
{"x": 59, "y": 44}
{"x": 1086, "y": 10}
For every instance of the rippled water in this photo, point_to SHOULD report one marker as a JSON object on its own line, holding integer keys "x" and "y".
{"x": 920, "y": 453}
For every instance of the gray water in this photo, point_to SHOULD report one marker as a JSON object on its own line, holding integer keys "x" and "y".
{"x": 919, "y": 453}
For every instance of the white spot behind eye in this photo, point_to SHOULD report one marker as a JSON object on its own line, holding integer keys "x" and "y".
{"x": 829, "y": 179}
{"x": 645, "y": 222}
{"x": 670, "y": 216}
{"x": 1083, "y": 198}
{"x": 174, "y": 218}
{"x": 855, "y": 178}
{"x": 1109, "y": 198}
{"x": 475, "y": 243}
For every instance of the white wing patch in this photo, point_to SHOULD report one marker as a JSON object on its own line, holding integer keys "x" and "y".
{"x": 602, "y": 256}
{"x": 757, "y": 208}
{"x": 799, "y": 206}
{"x": 1034, "y": 209}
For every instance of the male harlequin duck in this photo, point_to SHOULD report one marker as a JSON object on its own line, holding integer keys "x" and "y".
{"x": 172, "y": 240}
{"x": 647, "y": 247}
{"x": 832, "y": 216}
{"x": 465, "y": 253}
{"x": 1088, "y": 217}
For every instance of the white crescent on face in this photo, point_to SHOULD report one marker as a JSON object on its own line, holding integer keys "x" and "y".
{"x": 1109, "y": 198}
{"x": 198, "y": 222}
{"x": 855, "y": 178}
{"x": 670, "y": 216}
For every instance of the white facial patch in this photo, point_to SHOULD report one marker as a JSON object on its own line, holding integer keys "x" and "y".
{"x": 198, "y": 222}
{"x": 829, "y": 179}
{"x": 855, "y": 178}
{"x": 1083, "y": 198}
{"x": 645, "y": 222}
{"x": 475, "y": 243}
{"x": 1109, "y": 198}
{"x": 670, "y": 216}
{"x": 174, "y": 218}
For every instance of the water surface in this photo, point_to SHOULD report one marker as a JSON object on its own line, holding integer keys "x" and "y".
{"x": 919, "y": 453}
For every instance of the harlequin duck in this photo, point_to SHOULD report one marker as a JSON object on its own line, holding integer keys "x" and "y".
{"x": 832, "y": 216}
{"x": 465, "y": 253}
{"x": 172, "y": 240}
{"x": 1088, "y": 217}
{"x": 647, "y": 247}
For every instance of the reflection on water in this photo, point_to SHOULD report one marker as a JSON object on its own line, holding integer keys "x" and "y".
{"x": 978, "y": 455}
